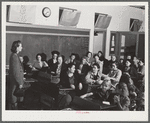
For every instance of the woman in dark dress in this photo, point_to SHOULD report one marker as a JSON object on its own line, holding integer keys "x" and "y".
{"x": 84, "y": 68}
{"x": 16, "y": 75}
{"x": 106, "y": 63}
{"x": 130, "y": 70}
{"x": 61, "y": 65}
{"x": 68, "y": 79}
{"x": 53, "y": 63}
{"x": 141, "y": 75}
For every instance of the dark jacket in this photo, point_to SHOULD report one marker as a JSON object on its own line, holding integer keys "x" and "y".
{"x": 53, "y": 66}
{"x": 15, "y": 76}
{"x": 65, "y": 80}
{"x": 132, "y": 71}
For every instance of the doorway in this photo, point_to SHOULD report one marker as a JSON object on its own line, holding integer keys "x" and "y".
{"x": 99, "y": 42}
{"x": 127, "y": 43}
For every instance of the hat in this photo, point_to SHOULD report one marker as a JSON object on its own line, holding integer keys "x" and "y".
{"x": 55, "y": 52}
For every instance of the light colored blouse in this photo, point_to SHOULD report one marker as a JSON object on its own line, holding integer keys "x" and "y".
{"x": 90, "y": 77}
{"x": 39, "y": 65}
{"x": 100, "y": 63}
{"x": 115, "y": 74}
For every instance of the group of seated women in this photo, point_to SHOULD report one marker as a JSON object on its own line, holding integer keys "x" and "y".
{"x": 119, "y": 82}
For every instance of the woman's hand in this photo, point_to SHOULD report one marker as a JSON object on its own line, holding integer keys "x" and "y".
{"x": 20, "y": 86}
{"x": 127, "y": 74}
{"x": 72, "y": 86}
{"x": 80, "y": 86}
{"x": 34, "y": 69}
{"x": 99, "y": 82}
{"x": 79, "y": 71}
{"x": 30, "y": 66}
{"x": 52, "y": 72}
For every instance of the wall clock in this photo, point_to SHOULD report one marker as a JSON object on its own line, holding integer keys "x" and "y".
{"x": 46, "y": 12}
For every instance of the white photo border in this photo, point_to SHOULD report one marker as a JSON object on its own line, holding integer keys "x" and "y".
{"x": 73, "y": 115}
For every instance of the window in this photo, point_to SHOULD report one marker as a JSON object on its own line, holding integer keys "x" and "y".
{"x": 135, "y": 24}
{"x": 102, "y": 20}
{"x": 68, "y": 17}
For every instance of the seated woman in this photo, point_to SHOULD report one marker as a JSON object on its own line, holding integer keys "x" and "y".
{"x": 121, "y": 98}
{"x": 101, "y": 93}
{"x": 55, "y": 78}
{"x": 72, "y": 59}
{"x": 114, "y": 74}
{"x": 69, "y": 80}
{"x": 84, "y": 68}
{"x": 135, "y": 62}
{"x": 133, "y": 90}
{"x": 93, "y": 77}
{"x": 104, "y": 91}
{"x": 121, "y": 64}
{"x": 141, "y": 68}
{"x": 106, "y": 63}
{"x": 129, "y": 57}
{"x": 100, "y": 63}
{"x": 129, "y": 69}
{"x": 141, "y": 74}
{"x": 140, "y": 103}
{"x": 44, "y": 57}
{"x": 89, "y": 58}
{"x": 53, "y": 63}
{"x": 39, "y": 64}
{"x": 61, "y": 65}
{"x": 113, "y": 59}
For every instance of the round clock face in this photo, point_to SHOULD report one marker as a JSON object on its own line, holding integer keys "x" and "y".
{"x": 46, "y": 12}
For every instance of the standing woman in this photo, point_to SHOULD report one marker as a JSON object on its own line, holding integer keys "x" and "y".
{"x": 15, "y": 75}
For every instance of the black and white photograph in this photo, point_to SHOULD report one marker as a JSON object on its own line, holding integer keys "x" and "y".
{"x": 74, "y": 61}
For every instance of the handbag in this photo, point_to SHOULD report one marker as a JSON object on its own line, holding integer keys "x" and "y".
{"x": 20, "y": 92}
